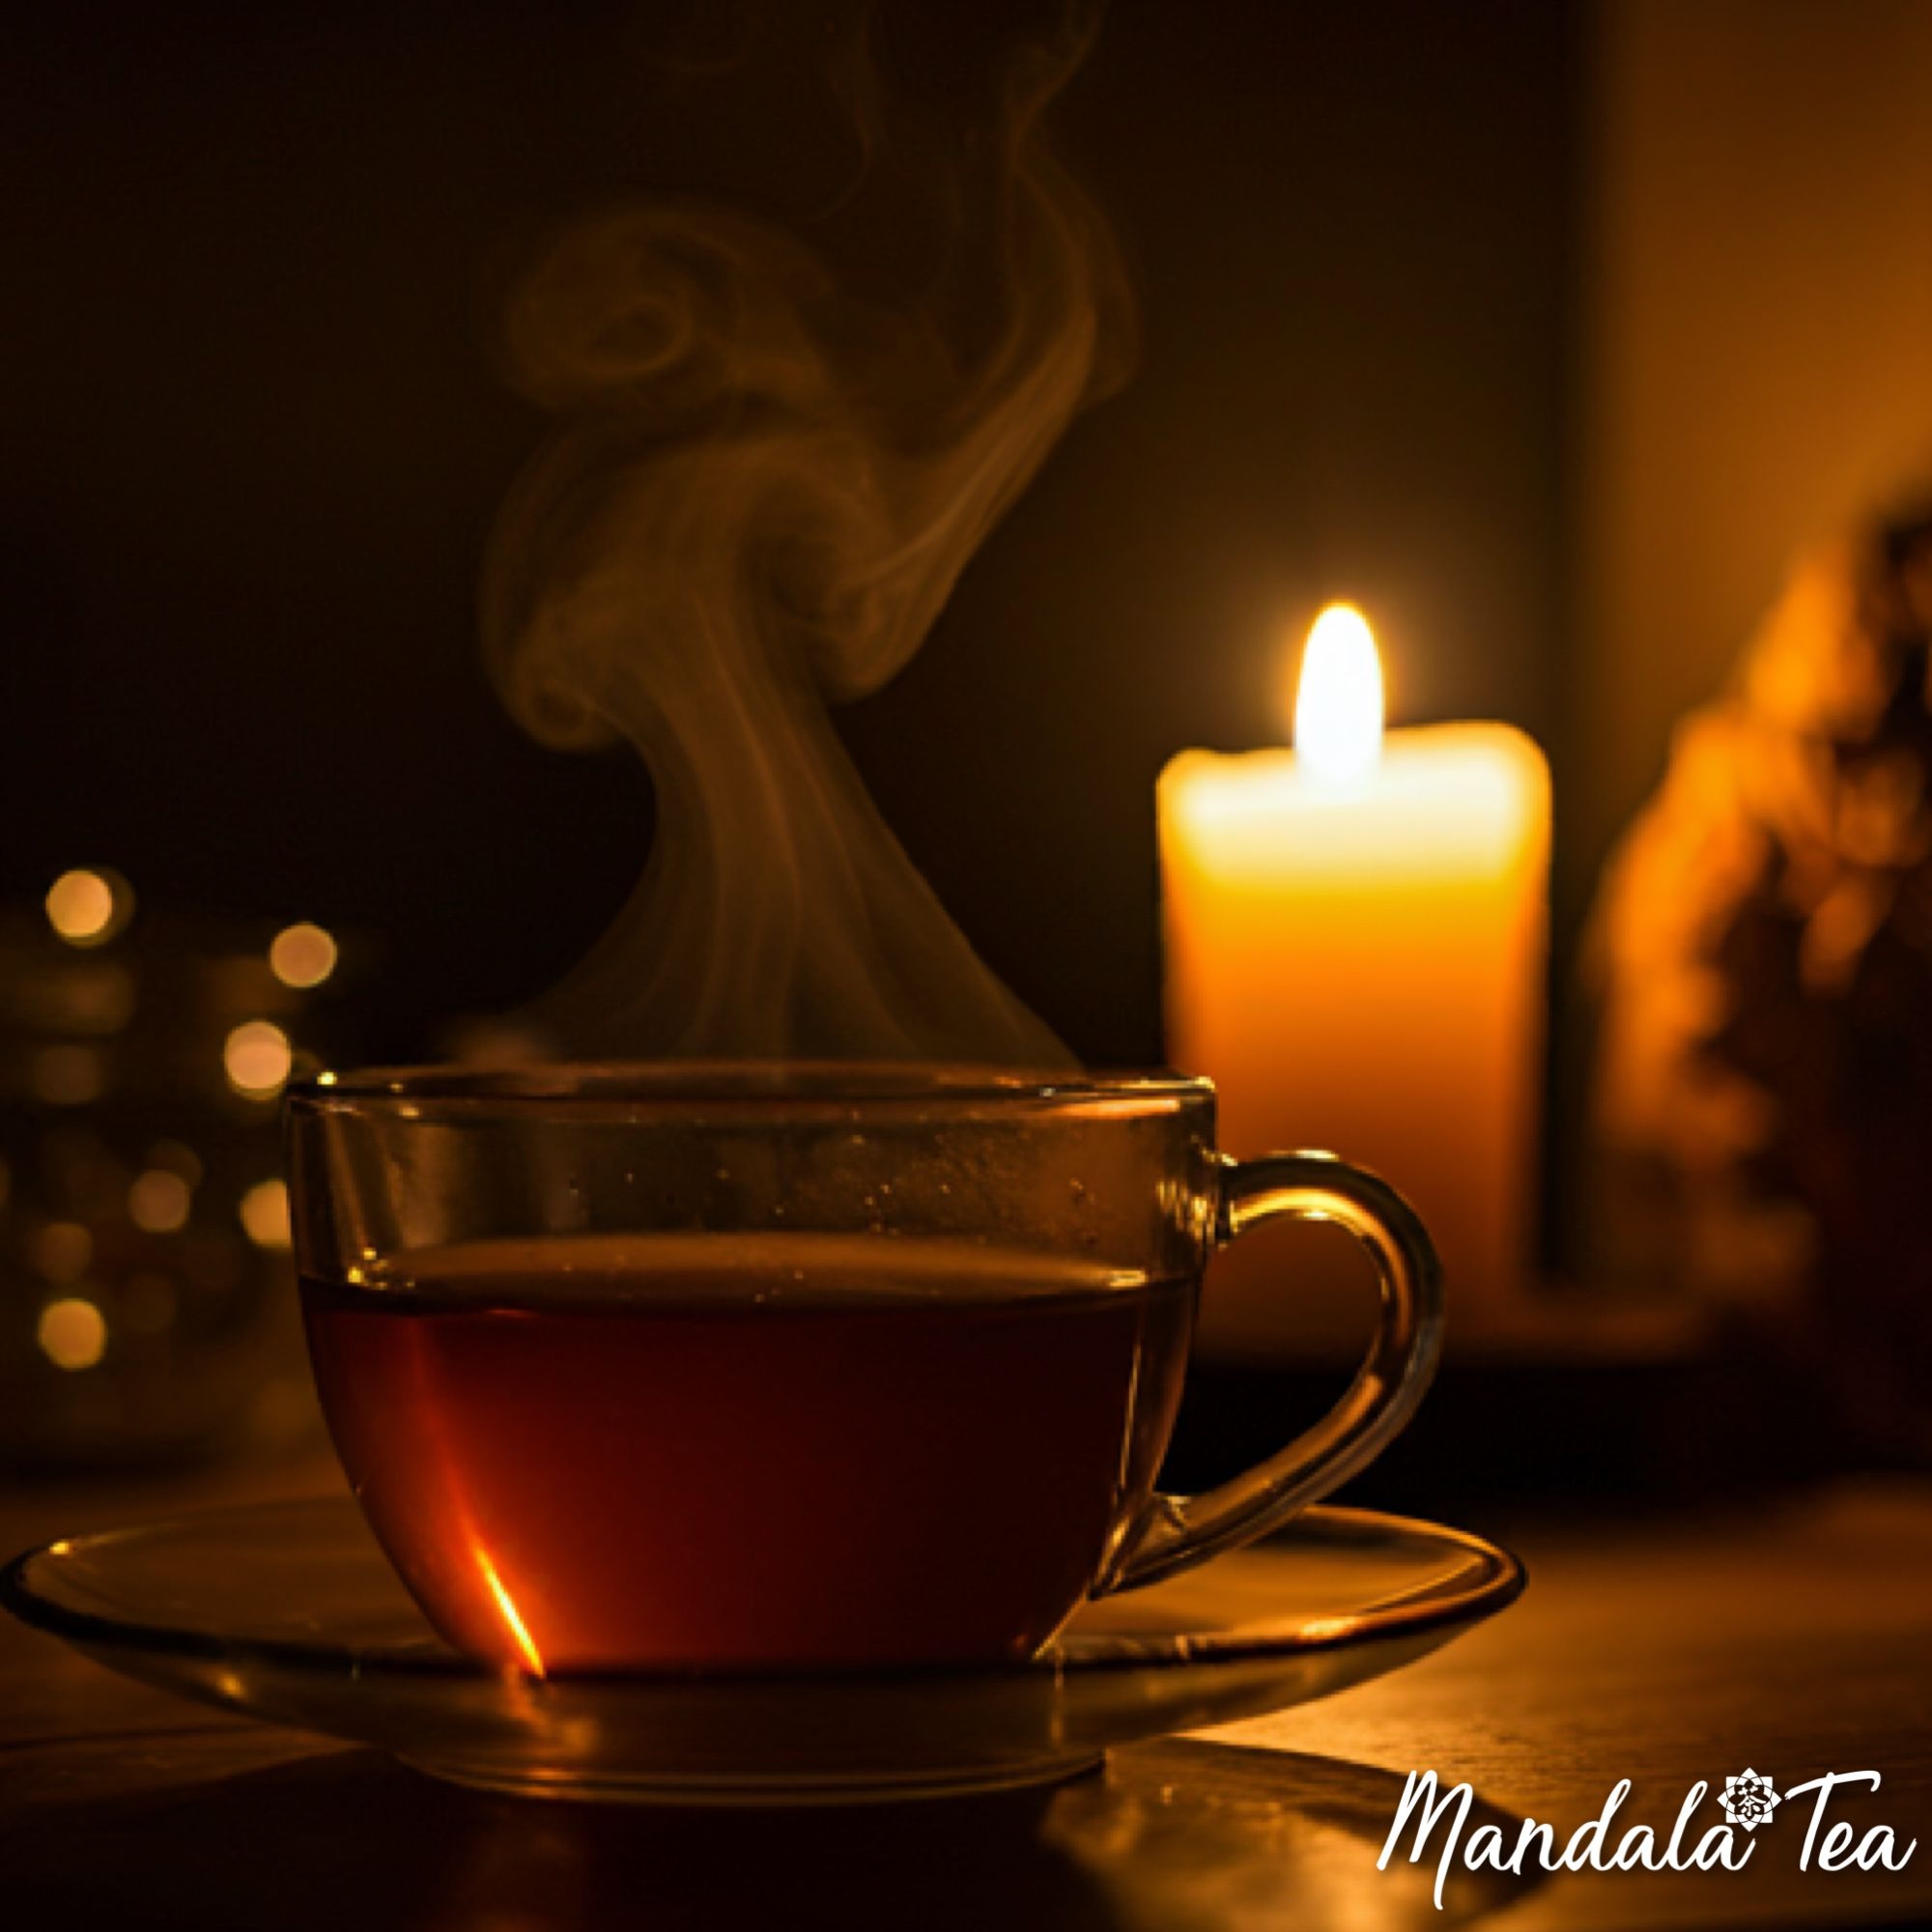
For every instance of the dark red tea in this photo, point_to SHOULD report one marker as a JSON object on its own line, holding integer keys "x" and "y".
{"x": 747, "y": 1451}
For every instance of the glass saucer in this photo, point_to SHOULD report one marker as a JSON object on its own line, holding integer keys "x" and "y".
{"x": 290, "y": 1612}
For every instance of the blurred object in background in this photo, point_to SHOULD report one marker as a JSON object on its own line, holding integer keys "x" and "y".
{"x": 1764, "y": 944}
{"x": 147, "y": 1301}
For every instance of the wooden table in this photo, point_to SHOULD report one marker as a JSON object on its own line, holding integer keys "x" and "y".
{"x": 1795, "y": 1639}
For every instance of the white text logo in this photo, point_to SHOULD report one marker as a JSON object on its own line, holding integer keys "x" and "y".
{"x": 1747, "y": 1800}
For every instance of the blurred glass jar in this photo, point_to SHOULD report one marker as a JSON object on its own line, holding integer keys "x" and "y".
{"x": 147, "y": 1301}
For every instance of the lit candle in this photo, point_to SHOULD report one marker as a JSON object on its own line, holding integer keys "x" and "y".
{"x": 1355, "y": 937}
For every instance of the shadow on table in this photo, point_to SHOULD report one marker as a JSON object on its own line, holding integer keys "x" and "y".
{"x": 1182, "y": 1834}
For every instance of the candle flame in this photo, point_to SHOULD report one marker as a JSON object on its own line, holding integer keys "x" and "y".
{"x": 1338, "y": 705}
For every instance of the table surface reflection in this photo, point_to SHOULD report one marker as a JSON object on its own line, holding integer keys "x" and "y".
{"x": 1794, "y": 1637}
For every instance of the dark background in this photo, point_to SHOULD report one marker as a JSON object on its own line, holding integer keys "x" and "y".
{"x": 254, "y": 441}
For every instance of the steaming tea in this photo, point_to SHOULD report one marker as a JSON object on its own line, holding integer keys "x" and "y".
{"x": 748, "y": 1449}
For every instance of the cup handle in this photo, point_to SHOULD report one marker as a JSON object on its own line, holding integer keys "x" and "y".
{"x": 1180, "y": 1532}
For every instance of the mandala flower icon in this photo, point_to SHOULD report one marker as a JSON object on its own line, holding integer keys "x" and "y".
{"x": 1748, "y": 1799}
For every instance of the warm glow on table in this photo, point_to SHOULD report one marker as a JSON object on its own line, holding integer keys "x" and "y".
{"x": 1355, "y": 946}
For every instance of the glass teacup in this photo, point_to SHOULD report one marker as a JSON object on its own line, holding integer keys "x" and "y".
{"x": 799, "y": 1366}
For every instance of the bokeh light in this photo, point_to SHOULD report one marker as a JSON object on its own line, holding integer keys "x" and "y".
{"x": 258, "y": 1059}
{"x": 67, "y": 1077}
{"x": 88, "y": 908}
{"x": 72, "y": 1333}
{"x": 60, "y": 1250}
{"x": 159, "y": 1200}
{"x": 97, "y": 997}
{"x": 265, "y": 1214}
{"x": 177, "y": 1157}
{"x": 302, "y": 956}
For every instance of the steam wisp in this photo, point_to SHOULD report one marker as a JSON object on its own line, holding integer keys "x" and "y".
{"x": 764, "y": 490}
